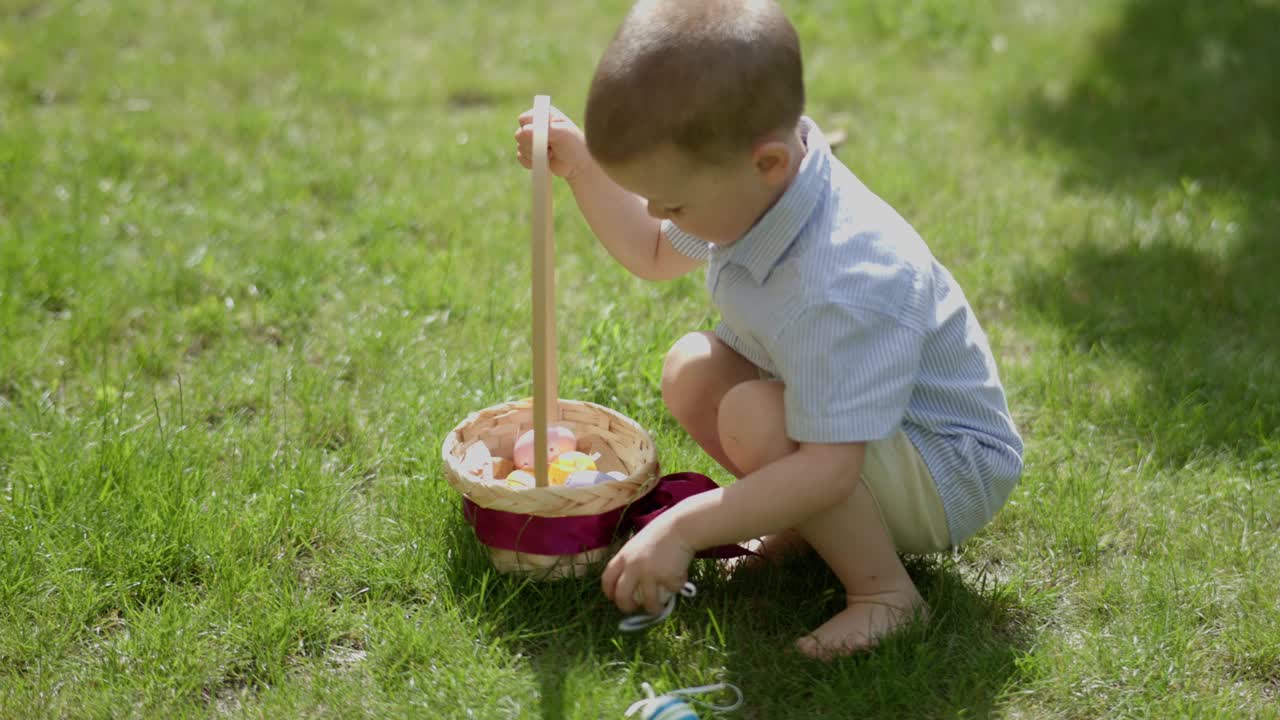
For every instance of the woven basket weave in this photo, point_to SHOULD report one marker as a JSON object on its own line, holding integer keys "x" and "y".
{"x": 623, "y": 445}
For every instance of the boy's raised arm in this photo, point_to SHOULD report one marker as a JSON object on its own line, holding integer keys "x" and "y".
{"x": 622, "y": 222}
{"x": 620, "y": 219}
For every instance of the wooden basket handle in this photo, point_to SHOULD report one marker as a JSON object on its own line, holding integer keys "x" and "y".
{"x": 545, "y": 378}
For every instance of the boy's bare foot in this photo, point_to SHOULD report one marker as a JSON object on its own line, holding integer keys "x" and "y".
{"x": 769, "y": 550}
{"x": 862, "y": 624}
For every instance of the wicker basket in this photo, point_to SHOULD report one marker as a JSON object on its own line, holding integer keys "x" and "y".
{"x": 623, "y": 445}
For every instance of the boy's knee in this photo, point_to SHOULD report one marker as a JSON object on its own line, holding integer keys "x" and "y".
{"x": 753, "y": 428}
{"x": 685, "y": 370}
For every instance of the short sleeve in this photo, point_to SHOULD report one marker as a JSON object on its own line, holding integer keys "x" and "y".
{"x": 849, "y": 373}
{"x": 684, "y": 243}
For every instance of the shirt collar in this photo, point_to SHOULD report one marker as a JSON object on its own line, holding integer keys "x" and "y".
{"x": 760, "y": 249}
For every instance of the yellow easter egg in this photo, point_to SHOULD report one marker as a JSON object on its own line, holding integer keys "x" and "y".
{"x": 568, "y": 464}
{"x": 520, "y": 479}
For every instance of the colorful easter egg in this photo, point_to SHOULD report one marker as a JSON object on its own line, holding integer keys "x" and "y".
{"x": 560, "y": 440}
{"x": 568, "y": 464}
{"x": 520, "y": 479}
{"x": 582, "y": 478}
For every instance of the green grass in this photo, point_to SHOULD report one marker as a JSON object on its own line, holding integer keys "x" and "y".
{"x": 257, "y": 258}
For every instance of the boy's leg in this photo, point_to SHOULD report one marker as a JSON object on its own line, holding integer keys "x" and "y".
{"x": 700, "y": 369}
{"x": 850, "y": 537}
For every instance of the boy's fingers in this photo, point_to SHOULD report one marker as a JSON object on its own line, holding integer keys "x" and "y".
{"x": 652, "y": 597}
{"x": 609, "y": 578}
{"x": 624, "y": 593}
{"x": 524, "y": 136}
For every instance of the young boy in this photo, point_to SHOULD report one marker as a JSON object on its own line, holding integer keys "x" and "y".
{"x": 849, "y": 387}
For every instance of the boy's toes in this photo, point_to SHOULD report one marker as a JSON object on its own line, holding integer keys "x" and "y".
{"x": 769, "y": 550}
{"x": 809, "y": 646}
{"x": 745, "y": 563}
{"x": 831, "y": 648}
{"x": 862, "y": 624}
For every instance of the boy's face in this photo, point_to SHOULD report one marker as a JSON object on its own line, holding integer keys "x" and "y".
{"x": 717, "y": 203}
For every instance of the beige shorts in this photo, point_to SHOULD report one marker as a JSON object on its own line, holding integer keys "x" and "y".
{"x": 908, "y": 499}
{"x": 904, "y": 491}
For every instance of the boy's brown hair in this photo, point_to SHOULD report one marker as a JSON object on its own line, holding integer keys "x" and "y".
{"x": 711, "y": 77}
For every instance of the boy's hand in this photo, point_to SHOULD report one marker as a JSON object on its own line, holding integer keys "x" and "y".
{"x": 567, "y": 146}
{"x": 655, "y": 560}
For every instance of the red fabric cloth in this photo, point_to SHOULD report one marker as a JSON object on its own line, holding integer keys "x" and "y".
{"x": 573, "y": 535}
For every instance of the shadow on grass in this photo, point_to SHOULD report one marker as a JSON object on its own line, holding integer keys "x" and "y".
{"x": 1179, "y": 111}
{"x": 556, "y": 625}
{"x": 956, "y": 665}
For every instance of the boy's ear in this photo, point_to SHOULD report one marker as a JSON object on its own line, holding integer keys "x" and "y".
{"x": 772, "y": 160}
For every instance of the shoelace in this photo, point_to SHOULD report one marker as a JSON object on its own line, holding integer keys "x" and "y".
{"x": 644, "y": 620}
{"x": 672, "y": 706}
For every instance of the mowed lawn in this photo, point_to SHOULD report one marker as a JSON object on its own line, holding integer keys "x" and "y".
{"x": 257, "y": 258}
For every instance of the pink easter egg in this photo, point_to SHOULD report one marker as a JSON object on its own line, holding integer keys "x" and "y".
{"x": 560, "y": 440}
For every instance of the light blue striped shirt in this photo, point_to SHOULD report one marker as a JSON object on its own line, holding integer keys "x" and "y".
{"x": 836, "y": 295}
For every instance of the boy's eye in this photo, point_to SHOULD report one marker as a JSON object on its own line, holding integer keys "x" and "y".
{"x": 674, "y": 210}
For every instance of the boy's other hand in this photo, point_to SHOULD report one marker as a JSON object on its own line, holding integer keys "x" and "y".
{"x": 567, "y": 146}
{"x": 655, "y": 560}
